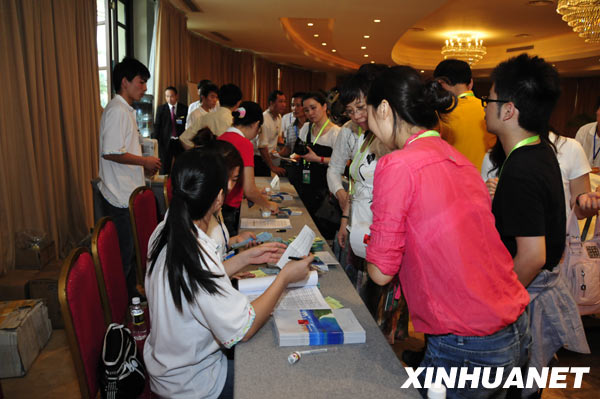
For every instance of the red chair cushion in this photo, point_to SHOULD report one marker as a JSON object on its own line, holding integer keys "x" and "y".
{"x": 85, "y": 306}
{"x": 146, "y": 220}
{"x": 112, "y": 269}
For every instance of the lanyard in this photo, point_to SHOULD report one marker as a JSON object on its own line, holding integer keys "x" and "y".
{"x": 360, "y": 156}
{"x": 424, "y": 133}
{"x": 466, "y": 94}
{"x": 360, "y": 131}
{"x": 521, "y": 143}
{"x": 223, "y": 231}
{"x": 296, "y": 130}
{"x": 595, "y": 152}
{"x": 320, "y": 131}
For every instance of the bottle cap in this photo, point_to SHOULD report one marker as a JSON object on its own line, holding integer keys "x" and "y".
{"x": 265, "y": 213}
{"x": 135, "y": 300}
{"x": 436, "y": 391}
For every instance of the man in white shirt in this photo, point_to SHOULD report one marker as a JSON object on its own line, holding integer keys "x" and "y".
{"x": 209, "y": 97}
{"x": 122, "y": 165}
{"x": 589, "y": 137}
{"x": 196, "y": 104}
{"x": 269, "y": 136}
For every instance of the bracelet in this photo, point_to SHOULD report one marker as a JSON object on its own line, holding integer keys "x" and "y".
{"x": 577, "y": 199}
{"x": 322, "y": 159}
{"x": 344, "y": 217}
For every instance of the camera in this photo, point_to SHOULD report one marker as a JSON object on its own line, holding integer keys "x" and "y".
{"x": 300, "y": 147}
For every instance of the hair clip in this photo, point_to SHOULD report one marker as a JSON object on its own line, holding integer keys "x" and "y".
{"x": 241, "y": 111}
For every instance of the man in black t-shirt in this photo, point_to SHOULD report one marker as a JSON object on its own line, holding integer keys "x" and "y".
{"x": 529, "y": 200}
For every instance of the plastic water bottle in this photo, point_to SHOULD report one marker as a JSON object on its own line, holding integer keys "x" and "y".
{"x": 436, "y": 391}
{"x": 139, "y": 328}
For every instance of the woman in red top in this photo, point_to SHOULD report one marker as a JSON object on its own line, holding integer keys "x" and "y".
{"x": 433, "y": 228}
{"x": 247, "y": 120}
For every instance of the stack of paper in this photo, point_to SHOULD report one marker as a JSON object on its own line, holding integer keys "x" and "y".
{"x": 317, "y": 327}
{"x": 256, "y": 224}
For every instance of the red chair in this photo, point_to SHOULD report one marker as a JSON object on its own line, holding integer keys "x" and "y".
{"x": 84, "y": 318}
{"x": 144, "y": 219}
{"x": 109, "y": 271}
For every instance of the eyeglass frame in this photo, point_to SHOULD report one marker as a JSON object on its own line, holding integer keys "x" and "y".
{"x": 350, "y": 113}
{"x": 485, "y": 100}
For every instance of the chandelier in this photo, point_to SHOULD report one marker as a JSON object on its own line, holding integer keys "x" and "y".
{"x": 464, "y": 47}
{"x": 583, "y": 16}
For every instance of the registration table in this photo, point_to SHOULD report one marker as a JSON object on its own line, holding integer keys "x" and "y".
{"x": 369, "y": 370}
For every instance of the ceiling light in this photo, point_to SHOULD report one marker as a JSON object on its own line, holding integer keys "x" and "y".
{"x": 363, "y": 47}
{"x": 372, "y": 62}
{"x": 422, "y": 71}
{"x": 366, "y": 36}
{"x": 464, "y": 47}
{"x": 377, "y": 21}
{"x": 323, "y": 44}
{"x": 333, "y": 50}
{"x": 366, "y": 55}
{"x": 316, "y": 35}
{"x": 310, "y": 24}
{"x": 582, "y": 16}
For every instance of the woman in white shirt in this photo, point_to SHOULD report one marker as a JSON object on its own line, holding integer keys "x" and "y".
{"x": 195, "y": 311}
{"x": 319, "y": 135}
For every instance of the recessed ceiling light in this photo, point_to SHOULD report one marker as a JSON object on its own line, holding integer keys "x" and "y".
{"x": 366, "y": 55}
{"x": 310, "y": 24}
{"x": 366, "y": 36}
{"x": 323, "y": 44}
{"x": 377, "y": 21}
{"x": 372, "y": 62}
{"x": 333, "y": 50}
{"x": 363, "y": 47}
{"x": 316, "y": 35}
{"x": 422, "y": 71}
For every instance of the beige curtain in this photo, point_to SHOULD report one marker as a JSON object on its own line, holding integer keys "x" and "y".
{"x": 50, "y": 120}
{"x": 266, "y": 80}
{"x": 171, "y": 52}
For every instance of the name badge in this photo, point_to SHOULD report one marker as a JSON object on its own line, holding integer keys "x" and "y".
{"x": 306, "y": 176}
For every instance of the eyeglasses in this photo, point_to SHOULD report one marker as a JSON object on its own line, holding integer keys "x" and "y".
{"x": 485, "y": 100}
{"x": 359, "y": 109}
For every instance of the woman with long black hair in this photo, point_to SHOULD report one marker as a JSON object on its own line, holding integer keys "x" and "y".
{"x": 195, "y": 311}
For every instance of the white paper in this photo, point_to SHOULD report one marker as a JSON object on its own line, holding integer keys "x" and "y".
{"x": 299, "y": 248}
{"x": 256, "y": 286}
{"x": 299, "y": 298}
{"x": 275, "y": 183}
{"x": 327, "y": 258}
{"x": 247, "y": 223}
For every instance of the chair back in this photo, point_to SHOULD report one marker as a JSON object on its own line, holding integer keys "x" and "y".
{"x": 144, "y": 219}
{"x": 109, "y": 271}
{"x": 168, "y": 191}
{"x": 83, "y": 316}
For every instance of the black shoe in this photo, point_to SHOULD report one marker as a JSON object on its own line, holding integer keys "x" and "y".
{"x": 413, "y": 358}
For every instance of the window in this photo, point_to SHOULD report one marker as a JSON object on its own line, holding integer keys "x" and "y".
{"x": 113, "y": 37}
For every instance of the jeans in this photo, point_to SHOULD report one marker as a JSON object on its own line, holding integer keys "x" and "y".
{"x": 506, "y": 348}
{"x": 122, "y": 221}
{"x": 227, "y": 392}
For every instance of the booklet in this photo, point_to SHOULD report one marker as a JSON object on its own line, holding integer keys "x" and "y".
{"x": 317, "y": 327}
{"x": 247, "y": 223}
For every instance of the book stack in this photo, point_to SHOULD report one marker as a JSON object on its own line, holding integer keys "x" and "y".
{"x": 317, "y": 327}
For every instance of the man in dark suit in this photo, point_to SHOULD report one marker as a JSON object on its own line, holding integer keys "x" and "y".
{"x": 169, "y": 124}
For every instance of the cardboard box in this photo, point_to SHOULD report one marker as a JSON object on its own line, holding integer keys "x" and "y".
{"x": 24, "y": 331}
{"x": 45, "y": 286}
{"x": 35, "y": 258}
{"x": 15, "y": 284}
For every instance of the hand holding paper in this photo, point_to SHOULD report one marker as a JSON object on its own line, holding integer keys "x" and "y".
{"x": 300, "y": 247}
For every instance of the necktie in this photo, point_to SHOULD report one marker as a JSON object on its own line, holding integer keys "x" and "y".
{"x": 173, "y": 132}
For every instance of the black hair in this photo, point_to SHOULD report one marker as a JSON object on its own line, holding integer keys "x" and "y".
{"x": 209, "y": 88}
{"x": 417, "y": 102}
{"x": 203, "y": 82}
{"x": 229, "y": 95}
{"x": 533, "y": 86}
{"x": 455, "y": 71}
{"x": 359, "y": 83}
{"x": 203, "y": 137}
{"x": 171, "y": 88}
{"x": 298, "y": 94}
{"x": 273, "y": 96}
{"x": 251, "y": 113}
{"x": 317, "y": 96}
{"x": 206, "y": 140}
{"x": 197, "y": 178}
{"x": 128, "y": 68}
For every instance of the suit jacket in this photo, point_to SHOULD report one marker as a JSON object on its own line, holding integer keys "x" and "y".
{"x": 162, "y": 124}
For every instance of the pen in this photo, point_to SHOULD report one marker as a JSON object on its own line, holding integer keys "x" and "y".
{"x": 294, "y": 258}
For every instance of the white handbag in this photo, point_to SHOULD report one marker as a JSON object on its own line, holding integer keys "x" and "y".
{"x": 581, "y": 267}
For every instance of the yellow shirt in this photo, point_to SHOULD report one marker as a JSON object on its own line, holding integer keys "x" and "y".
{"x": 218, "y": 122}
{"x": 465, "y": 129}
